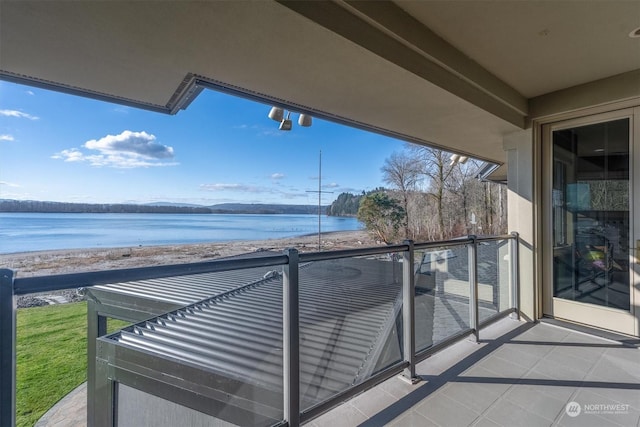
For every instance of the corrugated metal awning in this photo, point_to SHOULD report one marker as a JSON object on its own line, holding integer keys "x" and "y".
{"x": 348, "y": 310}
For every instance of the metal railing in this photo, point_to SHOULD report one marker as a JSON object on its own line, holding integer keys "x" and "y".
{"x": 12, "y": 287}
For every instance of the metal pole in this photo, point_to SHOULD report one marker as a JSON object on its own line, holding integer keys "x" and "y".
{"x": 515, "y": 274}
{"x": 291, "y": 340}
{"x": 408, "y": 314}
{"x": 7, "y": 350}
{"x": 473, "y": 286}
{"x": 96, "y": 327}
{"x": 319, "y": 201}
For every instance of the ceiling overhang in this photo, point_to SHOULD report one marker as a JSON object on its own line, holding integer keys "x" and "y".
{"x": 390, "y": 67}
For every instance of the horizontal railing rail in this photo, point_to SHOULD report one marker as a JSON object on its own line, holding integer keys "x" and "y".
{"x": 28, "y": 285}
{"x": 12, "y": 286}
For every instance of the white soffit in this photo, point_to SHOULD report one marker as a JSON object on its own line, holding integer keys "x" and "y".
{"x": 142, "y": 51}
{"x": 538, "y": 47}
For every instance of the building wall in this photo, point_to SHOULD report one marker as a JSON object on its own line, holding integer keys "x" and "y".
{"x": 520, "y": 158}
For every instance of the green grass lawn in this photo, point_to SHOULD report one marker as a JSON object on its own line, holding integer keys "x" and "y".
{"x": 51, "y": 357}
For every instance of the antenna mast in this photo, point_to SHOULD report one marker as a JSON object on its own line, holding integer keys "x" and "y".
{"x": 320, "y": 201}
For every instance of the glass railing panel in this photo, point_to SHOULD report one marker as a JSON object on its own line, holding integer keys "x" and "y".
{"x": 350, "y": 323}
{"x": 51, "y": 348}
{"x": 493, "y": 278}
{"x": 220, "y": 330}
{"x": 442, "y": 294}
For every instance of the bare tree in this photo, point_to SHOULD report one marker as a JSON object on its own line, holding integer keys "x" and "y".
{"x": 462, "y": 184}
{"x": 402, "y": 172}
{"x": 437, "y": 168}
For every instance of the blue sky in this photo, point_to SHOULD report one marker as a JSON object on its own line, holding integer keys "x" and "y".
{"x": 59, "y": 147}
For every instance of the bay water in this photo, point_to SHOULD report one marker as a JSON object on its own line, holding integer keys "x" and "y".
{"x": 25, "y": 232}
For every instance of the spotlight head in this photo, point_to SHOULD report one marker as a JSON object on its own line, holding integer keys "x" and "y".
{"x": 304, "y": 120}
{"x": 285, "y": 124}
{"x": 276, "y": 114}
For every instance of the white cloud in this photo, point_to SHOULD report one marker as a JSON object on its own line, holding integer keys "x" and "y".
{"x": 135, "y": 143}
{"x": 331, "y": 185}
{"x": 253, "y": 189}
{"x": 71, "y": 155}
{"x": 30, "y": 92}
{"x": 234, "y": 187}
{"x": 125, "y": 151}
{"x": 17, "y": 114}
{"x": 6, "y": 138}
{"x": 276, "y": 176}
{"x": 9, "y": 184}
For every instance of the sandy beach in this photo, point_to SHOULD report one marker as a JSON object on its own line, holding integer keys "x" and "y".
{"x": 43, "y": 263}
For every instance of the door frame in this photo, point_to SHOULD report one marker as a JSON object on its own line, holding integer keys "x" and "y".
{"x": 591, "y": 314}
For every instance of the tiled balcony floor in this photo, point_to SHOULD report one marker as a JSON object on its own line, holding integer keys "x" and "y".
{"x": 520, "y": 374}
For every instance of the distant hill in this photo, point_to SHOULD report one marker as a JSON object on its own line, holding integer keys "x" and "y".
{"x": 258, "y": 208}
{"x": 161, "y": 207}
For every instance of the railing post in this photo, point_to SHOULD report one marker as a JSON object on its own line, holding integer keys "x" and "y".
{"x": 473, "y": 286}
{"x": 7, "y": 350}
{"x": 96, "y": 327}
{"x": 291, "y": 339}
{"x": 408, "y": 313}
{"x": 515, "y": 275}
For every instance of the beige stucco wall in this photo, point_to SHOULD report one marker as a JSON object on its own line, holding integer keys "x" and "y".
{"x": 519, "y": 148}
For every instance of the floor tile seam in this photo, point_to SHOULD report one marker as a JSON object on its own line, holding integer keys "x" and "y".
{"x": 560, "y": 348}
{"x": 359, "y": 411}
{"x": 569, "y": 399}
{"x": 608, "y": 354}
{"x": 466, "y": 405}
{"x": 602, "y": 378}
{"x": 625, "y": 424}
{"x": 593, "y": 367}
{"x": 543, "y": 326}
{"x": 514, "y": 361}
{"x": 388, "y": 393}
{"x": 581, "y": 379}
{"x": 560, "y": 412}
{"x": 480, "y": 418}
{"x": 582, "y": 333}
{"x": 522, "y": 348}
{"x": 551, "y": 420}
{"x": 528, "y": 369}
{"x": 595, "y": 391}
{"x": 427, "y": 418}
{"x": 500, "y": 398}
{"x": 503, "y": 398}
{"x": 609, "y": 420}
{"x": 453, "y": 401}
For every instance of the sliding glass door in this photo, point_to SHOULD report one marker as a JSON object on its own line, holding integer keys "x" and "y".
{"x": 590, "y": 245}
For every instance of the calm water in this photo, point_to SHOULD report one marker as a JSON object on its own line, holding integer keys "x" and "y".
{"x": 21, "y": 232}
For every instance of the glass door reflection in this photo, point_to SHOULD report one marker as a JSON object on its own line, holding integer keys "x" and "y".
{"x": 590, "y": 214}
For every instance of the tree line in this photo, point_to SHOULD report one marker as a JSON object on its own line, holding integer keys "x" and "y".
{"x": 62, "y": 207}
{"x": 429, "y": 197}
{"x": 225, "y": 208}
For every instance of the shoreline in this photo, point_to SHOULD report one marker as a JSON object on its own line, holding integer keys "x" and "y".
{"x": 64, "y": 261}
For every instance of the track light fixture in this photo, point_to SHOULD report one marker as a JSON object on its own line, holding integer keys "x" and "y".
{"x": 285, "y": 124}
{"x": 304, "y": 120}
{"x": 458, "y": 159}
{"x": 277, "y": 114}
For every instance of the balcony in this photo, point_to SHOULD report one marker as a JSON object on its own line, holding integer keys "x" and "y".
{"x": 289, "y": 338}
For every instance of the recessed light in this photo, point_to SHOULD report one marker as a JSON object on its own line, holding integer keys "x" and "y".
{"x": 634, "y": 34}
